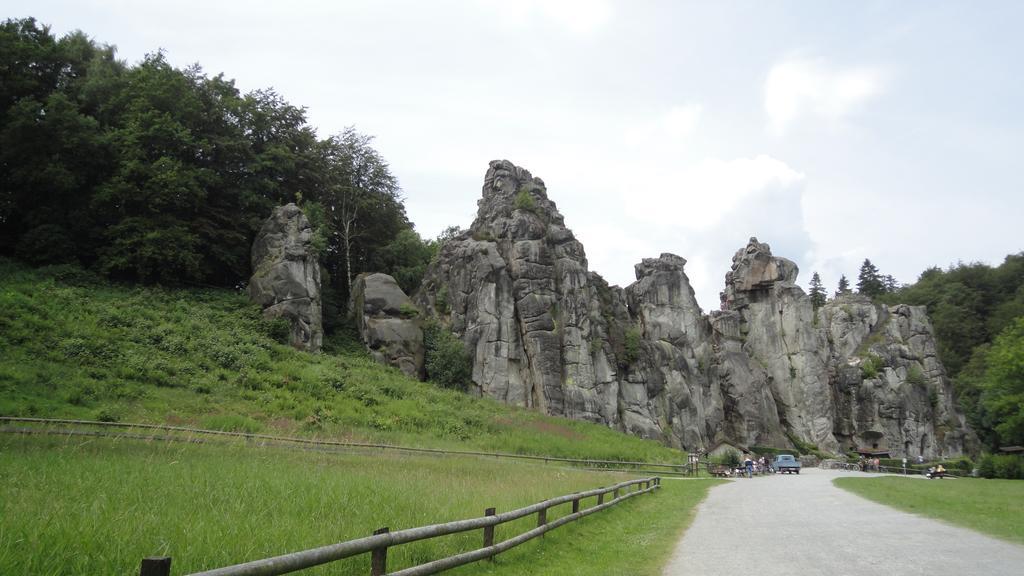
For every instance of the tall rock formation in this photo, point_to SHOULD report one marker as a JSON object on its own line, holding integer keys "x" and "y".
{"x": 286, "y": 276}
{"x": 547, "y": 333}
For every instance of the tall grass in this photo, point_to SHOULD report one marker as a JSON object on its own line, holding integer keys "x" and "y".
{"x": 74, "y": 346}
{"x": 99, "y": 506}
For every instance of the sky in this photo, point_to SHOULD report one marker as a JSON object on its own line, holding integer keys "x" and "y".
{"x": 834, "y": 131}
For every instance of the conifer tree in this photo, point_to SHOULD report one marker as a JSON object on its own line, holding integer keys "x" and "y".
{"x": 869, "y": 282}
{"x": 817, "y": 291}
{"x": 844, "y": 286}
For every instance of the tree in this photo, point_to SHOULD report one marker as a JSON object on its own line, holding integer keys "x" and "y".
{"x": 844, "y": 286}
{"x": 890, "y": 284}
{"x": 869, "y": 282}
{"x": 818, "y": 295}
{"x": 1002, "y": 393}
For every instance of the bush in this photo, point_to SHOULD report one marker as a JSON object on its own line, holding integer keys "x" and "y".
{"x": 730, "y": 458}
{"x": 915, "y": 376}
{"x": 447, "y": 363}
{"x": 1001, "y": 466}
{"x": 632, "y": 346}
{"x": 870, "y": 366}
{"x": 524, "y": 201}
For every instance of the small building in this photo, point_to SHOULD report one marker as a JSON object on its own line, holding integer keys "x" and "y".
{"x": 1019, "y": 450}
{"x": 873, "y": 453}
{"x": 723, "y": 446}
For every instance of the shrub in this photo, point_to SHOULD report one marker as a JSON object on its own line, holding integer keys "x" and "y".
{"x": 441, "y": 300}
{"x": 632, "y": 345}
{"x": 447, "y": 363}
{"x": 915, "y": 376}
{"x": 870, "y": 366}
{"x": 730, "y": 458}
{"x": 1001, "y": 466}
{"x": 408, "y": 310}
{"x": 525, "y": 201}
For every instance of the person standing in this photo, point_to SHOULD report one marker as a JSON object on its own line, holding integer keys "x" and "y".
{"x": 749, "y": 464}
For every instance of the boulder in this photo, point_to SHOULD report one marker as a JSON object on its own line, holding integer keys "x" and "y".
{"x": 286, "y": 276}
{"x": 388, "y": 323}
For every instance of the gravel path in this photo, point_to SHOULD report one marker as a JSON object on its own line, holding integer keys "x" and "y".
{"x": 803, "y": 525}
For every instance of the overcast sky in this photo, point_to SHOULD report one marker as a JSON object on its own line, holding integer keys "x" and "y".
{"x": 834, "y": 131}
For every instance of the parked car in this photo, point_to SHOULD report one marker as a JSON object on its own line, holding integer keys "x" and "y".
{"x": 786, "y": 463}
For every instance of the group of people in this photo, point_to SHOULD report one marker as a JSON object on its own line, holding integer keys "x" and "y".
{"x": 870, "y": 464}
{"x": 752, "y": 466}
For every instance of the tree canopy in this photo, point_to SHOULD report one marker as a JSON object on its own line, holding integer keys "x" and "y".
{"x": 152, "y": 173}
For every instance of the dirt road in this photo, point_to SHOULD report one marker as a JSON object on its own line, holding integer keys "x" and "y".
{"x": 789, "y": 524}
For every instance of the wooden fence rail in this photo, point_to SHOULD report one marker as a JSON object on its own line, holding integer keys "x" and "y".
{"x": 378, "y": 544}
{"x": 670, "y": 468}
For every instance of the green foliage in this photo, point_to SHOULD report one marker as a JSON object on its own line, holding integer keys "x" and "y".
{"x": 631, "y": 346}
{"x": 1007, "y": 466}
{"x": 441, "y": 300}
{"x": 408, "y": 310}
{"x": 147, "y": 354}
{"x": 524, "y": 201}
{"x": 870, "y": 366}
{"x": 817, "y": 292}
{"x": 446, "y": 360}
{"x": 406, "y": 258}
{"x": 1002, "y": 386}
{"x": 155, "y": 174}
{"x": 915, "y": 376}
{"x": 232, "y": 423}
{"x": 844, "y": 285}
{"x": 869, "y": 282}
{"x": 730, "y": 458}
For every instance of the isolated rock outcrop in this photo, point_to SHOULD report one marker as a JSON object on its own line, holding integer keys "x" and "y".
{"x": 766, "y": 370}
{"x": 388, "y": 323}
{"x": 286, "y": 276}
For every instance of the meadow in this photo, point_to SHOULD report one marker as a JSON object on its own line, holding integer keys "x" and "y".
{"x": 994, "y": 507}
{"x": 97, "y": 506}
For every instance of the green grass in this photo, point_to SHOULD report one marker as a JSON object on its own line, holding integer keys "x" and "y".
{"x": 73, "y": 506}
{"x": 994, "y": 507}
{"x": 74, "y": 346}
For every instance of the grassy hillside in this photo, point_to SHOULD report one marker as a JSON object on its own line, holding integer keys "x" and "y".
{"x": 73, "y": 506}
{"x": 72, "y": 345}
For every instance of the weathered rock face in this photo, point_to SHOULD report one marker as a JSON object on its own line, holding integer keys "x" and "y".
{"x": 889, "y": 388}
{"x": 286, "y": 276}
{"x": 767, "y": 370}
{"x": 779, "y": 332}
{"x": 388, "y": 323}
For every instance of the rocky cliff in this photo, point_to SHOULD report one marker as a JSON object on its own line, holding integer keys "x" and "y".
{"x": 768, "y": 369}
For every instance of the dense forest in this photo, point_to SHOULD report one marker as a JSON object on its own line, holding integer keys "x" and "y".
{"x": 153, "y": 174}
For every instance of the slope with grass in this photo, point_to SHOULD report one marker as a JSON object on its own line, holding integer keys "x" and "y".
{"x": 74, "y": 346}
{"x": 994, "y": 507}
{"x": 73, "y": 506}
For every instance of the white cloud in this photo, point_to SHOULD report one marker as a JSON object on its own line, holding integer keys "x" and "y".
{"x": 577, "y": 16}
{"x": 799, "y": 87}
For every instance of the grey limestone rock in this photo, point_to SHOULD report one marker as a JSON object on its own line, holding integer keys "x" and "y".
{"x": 766, "y": 370}
{"x": 286, "y": 276}
{"x": 388, "y": 323}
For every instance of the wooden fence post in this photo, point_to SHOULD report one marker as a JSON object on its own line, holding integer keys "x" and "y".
{"x": 379, "y": 556}
{"x": 155, "y": 567}
{"x": 616, "y": 497}
{"x": 600, "y": 499}
{"x": 575, "y": 505}
{"x": 542, "y": 517}
{"x": 489, "y": 533}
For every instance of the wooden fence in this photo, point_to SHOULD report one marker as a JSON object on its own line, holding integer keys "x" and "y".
{"x": 378, "y": 544}
{"x": 662, "y": 468}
